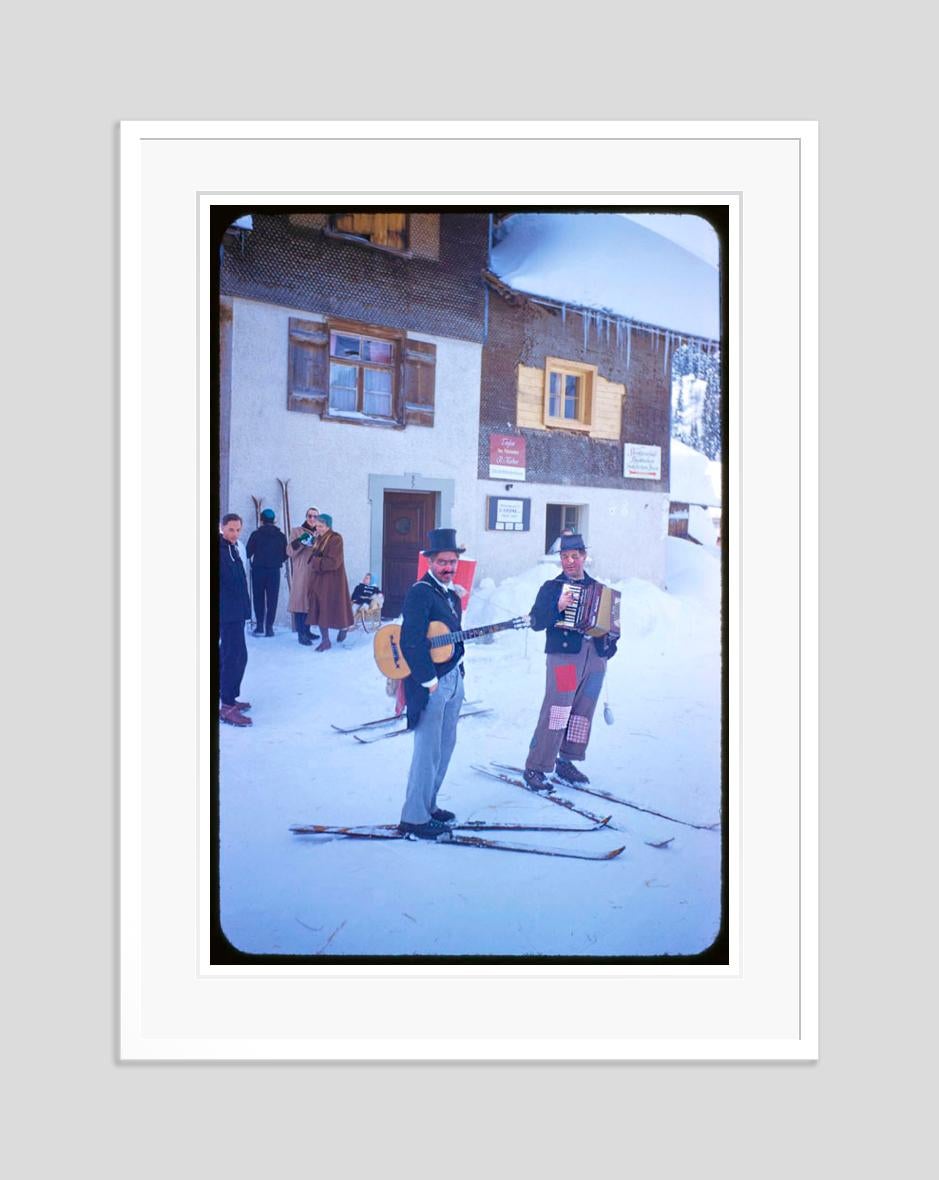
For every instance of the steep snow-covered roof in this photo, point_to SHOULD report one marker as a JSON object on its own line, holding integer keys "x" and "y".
{"x": 608, "y": 262}
{"x": 694, "y": 478}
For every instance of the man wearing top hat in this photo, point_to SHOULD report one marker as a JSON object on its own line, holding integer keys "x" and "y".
{"x": 434, "y": 692}
{"x": 576, "y": 666}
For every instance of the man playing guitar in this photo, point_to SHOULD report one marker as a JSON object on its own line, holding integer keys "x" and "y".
{"x": 434, "y": 691}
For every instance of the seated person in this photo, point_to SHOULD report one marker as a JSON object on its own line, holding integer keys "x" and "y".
{"x": 367, "y": 600}
{"x": 363, "y": 594}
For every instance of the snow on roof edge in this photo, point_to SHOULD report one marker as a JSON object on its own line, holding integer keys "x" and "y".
{"x": 496, "y": 282}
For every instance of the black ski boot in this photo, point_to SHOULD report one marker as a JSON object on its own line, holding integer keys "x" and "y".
{"x": 432, "y": 830}
{"x": 537, "y": 781}
{"x": 568, "y": 772}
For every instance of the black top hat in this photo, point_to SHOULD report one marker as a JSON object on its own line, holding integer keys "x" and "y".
{"x": 439, "y": 540}
{"x": 572, "y": 541}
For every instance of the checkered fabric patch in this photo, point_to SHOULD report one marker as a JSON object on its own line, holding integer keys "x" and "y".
{"x": 565, "y": 678}
{"x": 579, "y": 730}
{"x": 559, "y": 716}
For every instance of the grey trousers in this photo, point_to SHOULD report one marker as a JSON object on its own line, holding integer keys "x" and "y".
{"x": 434, "y": 739}
{"x": 572, "y": 689}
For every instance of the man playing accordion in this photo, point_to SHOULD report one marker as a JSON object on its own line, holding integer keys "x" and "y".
{"x": 577, "y": 645}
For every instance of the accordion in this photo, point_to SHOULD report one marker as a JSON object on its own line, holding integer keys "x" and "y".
{"x": 594, "y": 611}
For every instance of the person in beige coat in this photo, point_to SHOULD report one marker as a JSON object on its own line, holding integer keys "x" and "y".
{"x": 300, "y": 545}
{"x": 329, "y": 604}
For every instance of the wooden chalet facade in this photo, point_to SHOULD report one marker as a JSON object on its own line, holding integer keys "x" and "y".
{"x": 350, "y": 358}
{"x": 376, "y": 361}
{"x": 579, "y": 386}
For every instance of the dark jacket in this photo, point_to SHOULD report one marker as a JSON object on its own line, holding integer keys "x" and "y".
{"x": 364, "y": 593}
{"x": 234, "y": 603}
{"x": 545, "y": 613}
{"x": 267, "y": 548}
{"x": 425, "y": 602}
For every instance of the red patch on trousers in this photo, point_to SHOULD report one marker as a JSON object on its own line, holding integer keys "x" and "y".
{"x": 565, "y": 678}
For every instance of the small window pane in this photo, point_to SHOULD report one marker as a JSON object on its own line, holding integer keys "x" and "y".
{"x": 554, "y": 395}
{"x": 345, "y": 345}
{"x": 342, "y": 387}
{"x": 379, "y": 352}
{"x": 571, "y": 386}
{"x": 377, "y": 392}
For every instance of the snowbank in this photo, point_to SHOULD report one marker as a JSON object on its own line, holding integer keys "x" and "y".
{"x": 693, "y": 478}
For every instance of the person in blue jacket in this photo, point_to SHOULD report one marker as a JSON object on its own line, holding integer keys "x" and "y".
{"x": 434, "y": 692}
{"x": 234, "y": 609}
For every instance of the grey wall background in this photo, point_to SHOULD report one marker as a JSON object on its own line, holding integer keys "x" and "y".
{"x": 73, "y": 74}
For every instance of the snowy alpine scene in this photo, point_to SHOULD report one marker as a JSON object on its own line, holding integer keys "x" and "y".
{"x": 469, "y": 586}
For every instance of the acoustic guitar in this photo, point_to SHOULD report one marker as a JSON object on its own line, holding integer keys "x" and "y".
{"x": 391, "y": 661}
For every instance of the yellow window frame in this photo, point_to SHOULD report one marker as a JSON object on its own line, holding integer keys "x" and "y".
{"x": 587, "y": 379}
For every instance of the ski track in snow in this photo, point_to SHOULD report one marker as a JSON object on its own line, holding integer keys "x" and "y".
{"x": 309, "y": 895}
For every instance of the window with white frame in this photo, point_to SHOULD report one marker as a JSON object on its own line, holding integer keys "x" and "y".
{"x": 361, "y": 374}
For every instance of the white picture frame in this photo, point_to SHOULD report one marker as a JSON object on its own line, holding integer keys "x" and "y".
{"x": 763, "y": 1004}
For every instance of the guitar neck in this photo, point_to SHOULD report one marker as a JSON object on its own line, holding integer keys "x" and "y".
{"x": 473, "y": 633}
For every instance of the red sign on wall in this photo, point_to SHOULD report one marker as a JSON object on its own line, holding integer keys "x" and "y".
{"x": 507, "y": 456}
{"x": 465, "y": 573}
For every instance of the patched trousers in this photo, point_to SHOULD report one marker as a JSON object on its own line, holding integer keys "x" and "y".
{"x": 572, "y": 689}
{"x": 434, "y": 739}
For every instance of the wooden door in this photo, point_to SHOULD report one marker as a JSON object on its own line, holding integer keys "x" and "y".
{"x": 408, "y": 518}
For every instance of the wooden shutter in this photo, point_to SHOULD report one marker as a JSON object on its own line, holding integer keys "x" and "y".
{"x": 308, "y": 367}
{"x": 420, "y": 364}
{"x": 382, "y": 229}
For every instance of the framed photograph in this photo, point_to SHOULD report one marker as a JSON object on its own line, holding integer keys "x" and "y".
{"x": 397, "y": 398}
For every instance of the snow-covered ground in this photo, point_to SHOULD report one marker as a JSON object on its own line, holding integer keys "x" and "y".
{"x": 283, "y": 894}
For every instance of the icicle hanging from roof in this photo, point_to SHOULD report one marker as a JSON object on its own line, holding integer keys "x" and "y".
{"x": 629, "y": 341}
{"x": 665, "y": 352}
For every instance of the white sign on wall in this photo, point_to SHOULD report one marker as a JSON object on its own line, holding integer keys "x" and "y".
{"x": 509, "y": 512}
{"x": 641, "y": 461}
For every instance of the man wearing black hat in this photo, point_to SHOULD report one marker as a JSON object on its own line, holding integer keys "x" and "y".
{"x": 267, "y": 552}
{"x": 434, "y": 692}
{"x": 576, "y": 666}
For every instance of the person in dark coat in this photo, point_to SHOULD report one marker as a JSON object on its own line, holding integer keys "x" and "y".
{"x": 575, "y": 673}
{"x": 434, "y": 692}
{"x": 234, "y": 609}
{"x": 267, "y": 552}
